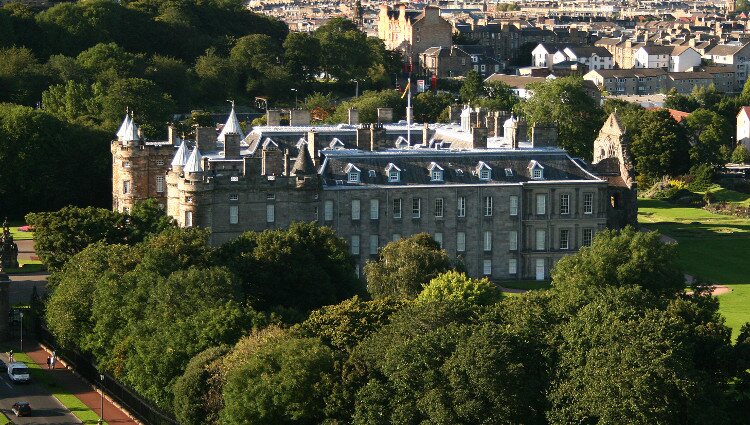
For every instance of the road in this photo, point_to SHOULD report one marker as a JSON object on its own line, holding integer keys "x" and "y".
{"x": 46, "y": 409}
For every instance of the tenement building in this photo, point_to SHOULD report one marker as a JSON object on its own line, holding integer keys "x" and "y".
{"x": 493, "y": 190}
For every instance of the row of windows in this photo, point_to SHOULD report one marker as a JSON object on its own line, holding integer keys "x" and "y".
{"x": 539, "y": 242}
{"x": 439, "y": 206}
{"x": 126, "y": 187}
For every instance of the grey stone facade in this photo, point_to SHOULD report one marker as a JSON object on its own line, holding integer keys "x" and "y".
{"x": 505, "y": 209}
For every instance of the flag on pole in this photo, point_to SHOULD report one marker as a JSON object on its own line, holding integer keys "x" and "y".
{"x": 406, "y": 89}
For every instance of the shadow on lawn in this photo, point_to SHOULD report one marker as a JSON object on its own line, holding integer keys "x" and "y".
{"x": 697, "y": 229}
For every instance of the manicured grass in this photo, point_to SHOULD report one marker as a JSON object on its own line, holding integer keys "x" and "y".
{"x": 712, "y": 247}
{"x": 27, "y": 266}
{"x": 71, "y": 402}
{"x": 4, "y": 419}
{"x": 20, "y": 236}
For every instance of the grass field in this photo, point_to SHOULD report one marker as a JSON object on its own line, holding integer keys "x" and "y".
{"x": 712, "y": 247}
{"x": 71, "y": 402}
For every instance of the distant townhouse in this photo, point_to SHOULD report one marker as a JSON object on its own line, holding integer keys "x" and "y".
{"x": 685, "y": 82}
{"x": 543, "y": 54}
{"x": 743, "y": 127}
{"x": 653, "y": 56}
{"x": 629, "y": 81}
{"x": 592, "y": 56}
{"x": 736, "y": 55}
{"x": 683, "y": 58}
{"x": 412, "y": 32}
{"x": 483, "y": 59}
{"x": 723, "y": 77}
{"x": 445, "y": 62}
{"x": 519, "y": 85}
{"x": 623, "y": 51}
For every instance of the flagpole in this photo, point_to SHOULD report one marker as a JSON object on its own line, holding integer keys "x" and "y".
{"x": 408, "y": 107}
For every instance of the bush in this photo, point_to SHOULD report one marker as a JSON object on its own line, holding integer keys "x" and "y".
{"x": 740, "y": 155}
{"x": 686, "y": 198}
{"x": 702, "y": 177}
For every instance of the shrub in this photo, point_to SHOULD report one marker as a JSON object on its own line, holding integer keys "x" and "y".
{"x": 740, "y": 155}
{"x": 702, "y": 177}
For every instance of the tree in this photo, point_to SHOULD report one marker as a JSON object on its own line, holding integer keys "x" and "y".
{"x": 303, "y": 267}
{"x": 498, "y": 97}
{"x": 405, "y": 266}
{"x": 680, "y": 102}
{"x": 147, "y": 218}
{"x": 633, "y": 258}
{"x": 152, "y": 107}
{"x": 282, "y": 383}
{"x": 302, "y": 55}
{"x": 740, "y": 155}
{"x": 60, "y": 235}
{"x": 564, "y": 101}
{"x": 345, "y": 51}
{"x": 456, "y": 286}
{"x": 429, "y": 105}
{"x": 660, "y": 147}
{"x": 368, "y": 103}
{"x": 472, "y": 87}
{"x": 194, "y": 403}
{"x": 22, "y": 77}
{"x": 708, "y": 132}
{"x": 344, "y": 325}
{"x": 628, "y": 358}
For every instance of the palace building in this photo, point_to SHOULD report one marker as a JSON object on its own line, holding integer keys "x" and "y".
{"x": 493, "y": 190}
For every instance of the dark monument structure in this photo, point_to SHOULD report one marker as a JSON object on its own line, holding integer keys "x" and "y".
{"x": 8, "y": 259}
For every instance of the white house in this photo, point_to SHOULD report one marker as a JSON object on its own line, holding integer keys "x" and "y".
{"x": 541, "y": 56}
{"x": 591, "y": 56}
{"x": 653, "y": 56}
{"x": 684, "y": 58}
{"x": 743, "y": 126}
{"x": 735, "y": 54}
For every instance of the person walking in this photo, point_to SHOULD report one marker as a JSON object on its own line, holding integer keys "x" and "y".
{"x": 10, "y": 356}
{"x": 49, "y": 362}
{"x": 52, "y": 360}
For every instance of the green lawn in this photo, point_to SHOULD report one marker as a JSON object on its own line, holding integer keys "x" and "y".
{"x": 27, "y": 266}
{"x": 4, "y": 419}
{"x": 726, "y": 195}
{"x": 525, "y": 284}
{"x": 712, "y": 247}
{"x": 71, "y": 402}
{"x": 20, "y": 236}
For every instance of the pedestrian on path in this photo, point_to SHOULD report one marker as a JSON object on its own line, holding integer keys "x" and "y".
{"x": 52, "y": 360}
{"x": 10, "y": 356}
{"x": 49, "y": 362}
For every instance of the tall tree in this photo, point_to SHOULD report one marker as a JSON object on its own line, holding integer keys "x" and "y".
{"x": 564, "y": 101}
{"x": 472, "y": 87}
{"x": 660, "y": 147}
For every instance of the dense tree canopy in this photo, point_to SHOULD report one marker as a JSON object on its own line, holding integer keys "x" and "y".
{"x": 660, "y": 147}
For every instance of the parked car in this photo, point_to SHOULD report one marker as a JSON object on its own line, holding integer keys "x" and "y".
{"x": 18, "y": 372}
{"x": 21, "y": 408}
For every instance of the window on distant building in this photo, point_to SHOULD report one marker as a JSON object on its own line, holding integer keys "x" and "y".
{"x": 461, "y": 210}
{"x": 397, "y": 208}
{"x": 328, "y": 211}
{"x": 564, "y": 239}
{"x": 159, "y": 184}
{"x": 416, "y": 208}
{"x": 488, "y": 206}
{"x": 439, "y": 207}
{"x": 355, "y": 209}
{"x": 126, "y": 187}
{"x": 565, "y": 203}
{"x": 460, "y": 242}
{"x": 355, "y": 244}
{"x": 234, "y": 214}
{"x": 588, "y": 203}
{"x": 588, "y": 237}
{"x": 270, "y": 213}
{"x": 374, "y": 209}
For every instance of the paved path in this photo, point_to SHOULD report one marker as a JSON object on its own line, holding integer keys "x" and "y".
{"x": 22, "y": 285}
{"x": 46, "y": 409}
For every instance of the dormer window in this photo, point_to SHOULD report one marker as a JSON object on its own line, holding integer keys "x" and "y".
{"x": 436, "y": 172}
{"x": 508, "y": 172}
{"x": 394, "y": 173}
{"x": 352, "y": 173}
{"x": 485, "y": 172}
{"x": 371, "y": 173}
{"x": 336, "y": 144}
{"x": 402, "y": 143}
{"x": 537, "y": 170}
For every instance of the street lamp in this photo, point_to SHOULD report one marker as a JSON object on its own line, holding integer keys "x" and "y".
{"x": 101, "y": 399}
{"x": 356, "y": 89}
{"x": 295, "y": 97}
{"x": 22, "y": 331}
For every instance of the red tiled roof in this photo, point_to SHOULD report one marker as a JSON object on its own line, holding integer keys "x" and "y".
{"x": 676, "y": 115}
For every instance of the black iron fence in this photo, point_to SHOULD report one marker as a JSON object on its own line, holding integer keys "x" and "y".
{"x": 137, "y": 406}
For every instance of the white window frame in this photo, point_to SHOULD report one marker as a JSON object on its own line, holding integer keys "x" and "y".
{"x": 234, "y": 197}
{"x": 460, "y": 242}
{"x": 328, "y": 210}
{"x": 540, "y": 240}
{"x": 126, "y": 187}
{"x": 541, "y": 203}
{"x": 374, "y": 209}
{"x": 487, "y": 267}
{"x": 416, "y": 207}
{"x": 564, "y": 203}
{"x": 513, "y": 240}
{"x": 270, "y": 213}
{"x": 353, "y": 177}
{"x": 487, "y": 206}
{"x": 397, "y": 208}
{"x": 512, "y": 266}
{"x": 374, "y": 241}
{"x": 588, "y": 203}
{"x": 564, "y": 239}
{"x": 159, "y": 184}
{"x": 439, "y": 208}
{"x": 587, "y": 237}
{"x": 356, "y": 209}
{"x": 355, "y": 244}
{"x": 394, "y": 173}
{"x": 487, "y": 241}
{"x": 461, "y": 206}
{"x": 513, "y": 208}
{"x": 188, "y": 219}
{"x": 438, "y": 238}
{"x": 234, "y": 214}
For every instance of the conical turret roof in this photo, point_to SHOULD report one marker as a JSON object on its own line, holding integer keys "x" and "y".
{"x": 303, "y": 164}
{"x": 181, "y": 156}
{"x": 194, "y": 163}
{"x": 124, "y": 127}
{"x": 231, "y": 126}
{"x": 131, "y": 132}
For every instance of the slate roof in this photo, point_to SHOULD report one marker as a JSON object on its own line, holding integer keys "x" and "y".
{"x": 459, "y": 167}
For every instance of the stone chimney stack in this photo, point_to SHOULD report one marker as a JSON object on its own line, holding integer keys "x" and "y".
{"x": 479, "y": 137}
{"x": 273, "y": 117}
{"x": 299, "y": 117}
{"x": 353, "y": 116}
{"x": 172, "y": 135}
{"x": 313, "y": 147}
{"x": 543, "y": 135}
{"x": 377, "y": 137}
{"x": 205, "y": 139}
{"x": 272, "y": 164}
{"x": 385, "y": 115}
{"x": 363, "y": 136}
{"x": 287, "y": 168}
{"x": 231, "y": 146}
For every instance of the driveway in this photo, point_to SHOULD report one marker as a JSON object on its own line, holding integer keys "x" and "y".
{"x": 45, "y": 408}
